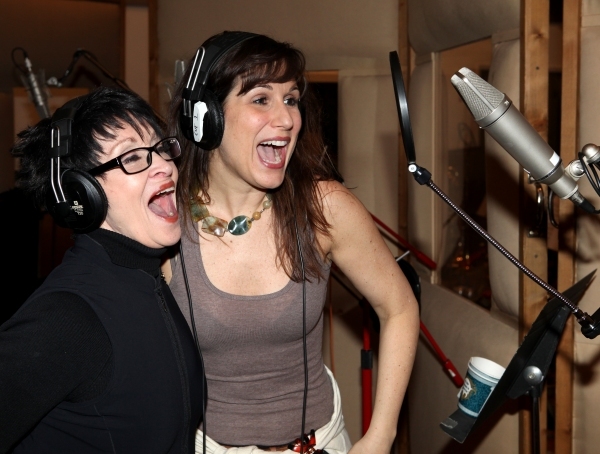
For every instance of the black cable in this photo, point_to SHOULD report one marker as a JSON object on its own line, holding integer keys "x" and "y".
{"x": 299, "y": 245}
{"x": 58, "y": 82}
{"x": 195, "y": 333}
{"x": 92, "y": 59}
{"x": 550, "y": 208}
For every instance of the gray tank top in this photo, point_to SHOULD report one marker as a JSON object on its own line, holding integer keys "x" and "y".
{"x": 253, "y": 356}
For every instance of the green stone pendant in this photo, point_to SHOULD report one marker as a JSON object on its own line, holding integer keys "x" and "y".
{"x": 217, "y": 226}
{"x": 239, "y": 225}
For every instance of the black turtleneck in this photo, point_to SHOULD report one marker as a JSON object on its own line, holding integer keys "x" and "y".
{"x": 35, "y": 342}
{"x": 128, "y": 253}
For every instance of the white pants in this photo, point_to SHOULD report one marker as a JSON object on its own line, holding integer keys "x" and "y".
{"x": 332, "y": 437}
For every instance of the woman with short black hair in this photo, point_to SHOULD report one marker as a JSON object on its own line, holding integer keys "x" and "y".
{"x": 100, "y": 359}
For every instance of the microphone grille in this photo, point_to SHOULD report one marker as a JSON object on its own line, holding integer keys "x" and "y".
{"x": 480, "y": 97}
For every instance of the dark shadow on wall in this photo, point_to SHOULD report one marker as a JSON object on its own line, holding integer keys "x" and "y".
{"x": 19, "y": 232}
{"x": 474, "y": 440}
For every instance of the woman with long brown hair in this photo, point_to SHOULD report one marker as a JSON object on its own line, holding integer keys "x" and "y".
{"x": 264, "y": 217}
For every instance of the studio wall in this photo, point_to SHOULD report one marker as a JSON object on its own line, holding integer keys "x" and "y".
{"x": 333, "y": 34}
{"x": 52, "y": 30}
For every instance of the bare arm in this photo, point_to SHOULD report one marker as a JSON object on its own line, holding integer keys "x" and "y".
{"x": 357, "y": 248}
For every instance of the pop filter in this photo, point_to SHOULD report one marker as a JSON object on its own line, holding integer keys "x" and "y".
{"x": 402, "y": 105}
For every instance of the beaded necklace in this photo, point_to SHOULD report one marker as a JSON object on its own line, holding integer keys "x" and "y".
{"x": 217, "y": 226}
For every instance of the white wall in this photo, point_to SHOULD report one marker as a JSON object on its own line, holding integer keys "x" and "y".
{"x": 137, "y": 53}
{"x": 436, "y": 25}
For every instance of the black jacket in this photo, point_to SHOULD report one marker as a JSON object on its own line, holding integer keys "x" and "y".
{"x": 139, "y": 391}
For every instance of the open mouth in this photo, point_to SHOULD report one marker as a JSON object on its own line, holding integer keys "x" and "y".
{"x": 272, "y": 152}
{"x": 163, "y": 205}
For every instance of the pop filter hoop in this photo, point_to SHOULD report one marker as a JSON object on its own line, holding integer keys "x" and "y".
{"x": 402, "y": 106}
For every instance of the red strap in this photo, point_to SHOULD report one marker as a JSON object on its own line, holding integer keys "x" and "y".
{"x": 420, "y": 256}
{"x": 446, "y": 363}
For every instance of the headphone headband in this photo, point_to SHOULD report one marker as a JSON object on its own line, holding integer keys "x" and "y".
{"x": 62, "y": 120}
{"x": 76, "y": 199}
{"x": 210, "y": 55}
{"x": 201, "y": 117}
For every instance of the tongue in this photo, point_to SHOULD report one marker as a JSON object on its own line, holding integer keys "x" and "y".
{"x": 163, "y": 205}
{"x": 269, "y": 153}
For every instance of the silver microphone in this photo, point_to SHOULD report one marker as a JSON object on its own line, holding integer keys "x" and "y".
{"x": 37, "y": 93}
{"x": 496, "y": 114}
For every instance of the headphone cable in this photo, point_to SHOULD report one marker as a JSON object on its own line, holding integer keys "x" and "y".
{"x": 305, "y": 355}
{"x": 195, "y": 332}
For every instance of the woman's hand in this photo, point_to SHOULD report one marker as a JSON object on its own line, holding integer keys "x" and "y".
{"x": 371, "y": 445}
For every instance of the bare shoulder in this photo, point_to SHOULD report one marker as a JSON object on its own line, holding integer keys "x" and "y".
{"x": 348, "y": 218}
{"x": 339, "y": 203}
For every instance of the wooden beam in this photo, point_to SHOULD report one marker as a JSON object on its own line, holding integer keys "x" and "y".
{"x": 566, "y": 261}
{"x": 126, "y": 2}
{"x": 403, "y": 437}
{"x": 535, "y": 26}
{"x": 122, "y": 23}
{"x": 404, "y": 57}
{"x": 323, "y": 77}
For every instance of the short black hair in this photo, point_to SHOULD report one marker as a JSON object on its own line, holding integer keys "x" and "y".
{"x": 100, "y": 114}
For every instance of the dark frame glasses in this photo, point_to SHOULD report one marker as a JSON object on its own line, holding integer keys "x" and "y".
{"x": 139, "y": 159}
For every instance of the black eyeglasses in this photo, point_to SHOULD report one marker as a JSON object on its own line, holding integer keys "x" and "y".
{"x": 139, "y": 159}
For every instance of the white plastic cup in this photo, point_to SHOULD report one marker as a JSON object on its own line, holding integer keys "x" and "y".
{"x": 481, "y": 379}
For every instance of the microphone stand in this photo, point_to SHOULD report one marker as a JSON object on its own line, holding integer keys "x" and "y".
{"x": 58, "y": 82}
{"x": 529, "y": 367}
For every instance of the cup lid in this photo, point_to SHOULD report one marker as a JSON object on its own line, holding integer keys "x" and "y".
{"x": 487, "y": 367}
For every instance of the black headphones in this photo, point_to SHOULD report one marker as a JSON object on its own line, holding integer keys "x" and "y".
{"x": 76, "y": 199}
{"x": 201, "y": 118}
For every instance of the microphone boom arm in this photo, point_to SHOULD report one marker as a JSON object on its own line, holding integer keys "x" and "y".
{"x": 590, "y": 325}
{"x": 58, "y": 82}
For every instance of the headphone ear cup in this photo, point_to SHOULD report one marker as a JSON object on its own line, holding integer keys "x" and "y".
{"x": 214, "y": 122}
{"x": 86, "y": 203}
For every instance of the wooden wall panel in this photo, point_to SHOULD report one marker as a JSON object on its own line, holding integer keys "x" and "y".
{"x": 566, "y": 260}
{"x": 534, "y": 106}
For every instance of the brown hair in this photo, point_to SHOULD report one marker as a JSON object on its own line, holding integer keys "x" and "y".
{"x": 297, "y": 203}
